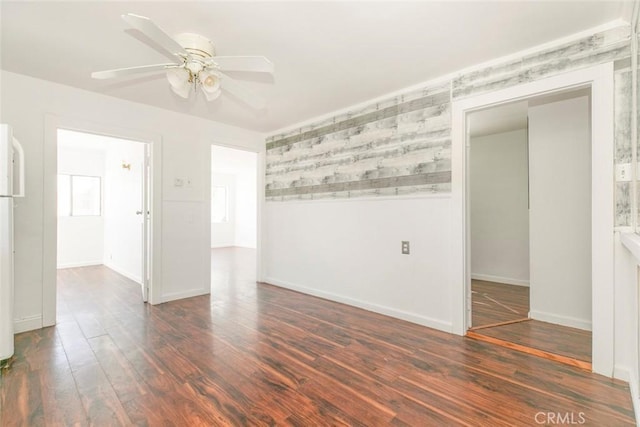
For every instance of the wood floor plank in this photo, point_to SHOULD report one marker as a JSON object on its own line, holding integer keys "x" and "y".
{"x": 497, "y": 302}
{"x": 387, "y": 393}
{"x": 560, "y": 382}
{"x": 530, "y": 350}
{"x": 56, "y": 386}
{"x": 497, "y": 313}
{"x": 98, "y": 397}
{"x": 256, "y": 354}
{"x": 21, "y": 397}
{"x": 561, "y": 340}
{"x": 126, "y": 382}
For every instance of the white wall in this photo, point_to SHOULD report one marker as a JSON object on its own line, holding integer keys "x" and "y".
{"x": 238, "y": 170}
{"x": 560, "y": 214}
{"x": 223, "y": 234}
{"x": 350, "y": 251}
{"x": 183, "y": 258}
{"x": 246, "y": 205}
{"x": 80, "y": 238}
{"x": 123, "y": 198}
{"x": 499, "y": 208}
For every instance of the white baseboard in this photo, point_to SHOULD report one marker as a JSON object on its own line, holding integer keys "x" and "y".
{"x": 79, "y": 264}
{"x": 233, "y": 245}
{"x": 622, "y": 373}
{"x": 222, "y": 245}
{"x": 561, "y": 320}
{"x": 27, "y": 324}
{"x": 187, "y": 294}
{"x": 135, "y": 278}
{"x": 388, "y": 311}
{"x": 499, "y": 279}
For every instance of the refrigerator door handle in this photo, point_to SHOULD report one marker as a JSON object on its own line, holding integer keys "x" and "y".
{"x": 18, "y": 148}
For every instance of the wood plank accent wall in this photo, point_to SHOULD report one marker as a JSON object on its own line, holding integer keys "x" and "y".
{"x": 403, "y": 145}
{"x": 622, "y": 111}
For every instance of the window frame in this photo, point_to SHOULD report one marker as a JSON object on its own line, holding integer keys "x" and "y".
{"x": 70, "y": 209}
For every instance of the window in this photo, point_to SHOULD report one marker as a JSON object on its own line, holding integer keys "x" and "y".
{"x": 219, "y": 208}
{"x": 79, "y": 195}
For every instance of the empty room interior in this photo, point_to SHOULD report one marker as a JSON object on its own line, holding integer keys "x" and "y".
{"x": 319, "y": 213}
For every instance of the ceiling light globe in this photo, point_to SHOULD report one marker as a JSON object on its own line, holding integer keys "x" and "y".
{"x": 211, "y": 95}
{"x": 210, "y": 82}
{"x": 178, "y": 77}
{"x": 183, "y": 92}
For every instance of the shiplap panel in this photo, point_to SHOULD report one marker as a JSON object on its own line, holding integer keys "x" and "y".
{"x": 595, "y": 49}
{"x": 623, "y": 204}
{"x": 622, "y": 110}
{"x": 403, "y": 142}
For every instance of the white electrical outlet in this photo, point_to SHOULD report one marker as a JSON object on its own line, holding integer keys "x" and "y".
{"x": 178, "y": 182}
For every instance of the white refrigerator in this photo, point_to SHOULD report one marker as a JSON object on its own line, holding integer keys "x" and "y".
{"x": 11, "y": 187}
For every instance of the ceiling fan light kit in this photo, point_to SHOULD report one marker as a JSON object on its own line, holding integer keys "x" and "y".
{"x": 196, "y": 64}
{"x": 210, "y": 84}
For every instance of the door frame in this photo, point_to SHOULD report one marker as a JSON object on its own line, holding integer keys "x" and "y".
{"x": 147, "y": 252}
{"x": 54, "y": 122}
{"x": 260, "y": 234}
{"x": 600, "y": 79}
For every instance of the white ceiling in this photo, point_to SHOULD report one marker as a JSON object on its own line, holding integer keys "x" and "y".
{"x": 328, "y": 55}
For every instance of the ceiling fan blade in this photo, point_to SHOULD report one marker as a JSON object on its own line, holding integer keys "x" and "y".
{"x": 155, "y": 33}
{"x": 258, "y": 64}
{"x": 122, "y": 72}
{"x": 242, "y": 93}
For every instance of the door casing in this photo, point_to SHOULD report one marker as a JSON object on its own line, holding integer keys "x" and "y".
{"x": 600, "y": 80}
{"x": 49, "y": 259}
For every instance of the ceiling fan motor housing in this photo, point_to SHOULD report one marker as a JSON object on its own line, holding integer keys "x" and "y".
{"x": 197, "y": 45}
{"x": 193, "y": 63}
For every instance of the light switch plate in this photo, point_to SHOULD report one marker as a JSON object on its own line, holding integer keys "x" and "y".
{"x": 623, "y": 172}
{"x": 405, "y": 247}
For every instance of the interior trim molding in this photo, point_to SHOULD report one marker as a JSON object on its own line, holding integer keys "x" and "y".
{"x": 376, "y": 308}
{"x": 25, "y": 324}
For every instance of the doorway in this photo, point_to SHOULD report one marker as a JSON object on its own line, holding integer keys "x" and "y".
{"x": 234, "y": 221}
{"x": 599, "y": 79}
{"x": 530, "y": 225}
{"x": 103, "y": 204}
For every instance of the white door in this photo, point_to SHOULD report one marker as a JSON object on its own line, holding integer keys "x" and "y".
{"x": 144, "y": 283}
{"x": 560, "y": 213}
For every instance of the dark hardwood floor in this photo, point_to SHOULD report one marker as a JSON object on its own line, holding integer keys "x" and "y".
{"x": 562, "y": 340}
{"x": 494, "y": 303}
{"x": 255, "y": 354}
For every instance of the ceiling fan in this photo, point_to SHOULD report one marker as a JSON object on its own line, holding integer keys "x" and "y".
{"x": 196, "y": 64}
